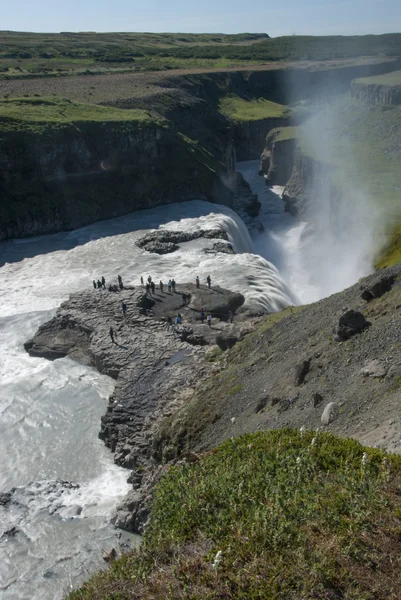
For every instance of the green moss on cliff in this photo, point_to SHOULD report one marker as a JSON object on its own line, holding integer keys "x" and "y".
{"x": 241, "y": 109}
{"x": 38, "y": 114}
{"x": 388, "y": 79}
{"x": 292, "y": 515}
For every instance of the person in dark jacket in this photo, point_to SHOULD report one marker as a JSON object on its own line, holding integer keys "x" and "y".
{"x": 111, "y": 333}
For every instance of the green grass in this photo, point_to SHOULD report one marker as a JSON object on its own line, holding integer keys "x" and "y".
{"x": 282, "y": 134}
{"x": 388, "y": 79}
{"x": 32, "y": 54}
{"x": 241, "y": 109}
{"x": 295, "y": 516}
{"x": 36, "y": 114}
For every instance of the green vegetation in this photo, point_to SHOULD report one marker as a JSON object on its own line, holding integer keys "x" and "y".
{"x": 38, "y": 114}
{"x": 293, "y": 516}
{"x": 241, "y": 109}
{"x": 36, "y": 54}
{"x": 387, "y": 79}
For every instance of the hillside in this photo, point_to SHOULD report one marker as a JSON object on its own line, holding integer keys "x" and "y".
{"x": 36, "y": 54}
{"x": 271, "y": 516}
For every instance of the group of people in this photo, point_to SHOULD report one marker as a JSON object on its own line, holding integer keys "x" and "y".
{"x": 150, "y": 285}
{"x": 101, "y": 284}
{"x": 208, "y": 281}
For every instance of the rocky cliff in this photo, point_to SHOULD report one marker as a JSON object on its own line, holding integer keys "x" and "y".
{"x": 378, "y": 90}
{"x": 71, "y": 175}
{"x": 83, "y": 172}
{"x": 277, "y": 159}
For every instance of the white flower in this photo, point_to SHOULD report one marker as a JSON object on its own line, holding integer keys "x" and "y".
{"x": 302, "y": 430}
{"x": 313, "y": 442}
{"x": 233, "y": 420}
{"x": 298, "y": 460}
{"x": 365, "y": 458}
{"x": 217, "y": 559}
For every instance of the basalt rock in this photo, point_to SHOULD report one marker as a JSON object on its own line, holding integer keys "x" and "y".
{"x": 172, "y": 238}
{"x": 379, "y": 286}
{"x": 156, "y": 365}
{"x": 224, "y": 247}
{"x": 350, "y": 323}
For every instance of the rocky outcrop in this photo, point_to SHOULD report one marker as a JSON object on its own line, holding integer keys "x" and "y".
{"x": 155, "y": 366}
{"x": 249, "y": 136}
{"x": 310, "y": 180}
{"x": 277, "y": 159}
{"x": 349, "y": 324}
{"x": 376, "y": 93}
{"x": 163, "y": 241}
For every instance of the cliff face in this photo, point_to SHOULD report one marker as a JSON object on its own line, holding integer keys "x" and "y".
{"x": 277, "y": 159}
{"x": 93, "y": 171}
{"x": 309, "y": 179}
{"x": 376, "y": 93}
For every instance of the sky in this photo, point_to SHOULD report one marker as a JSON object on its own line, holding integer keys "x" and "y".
{"x": 281, "y": 17}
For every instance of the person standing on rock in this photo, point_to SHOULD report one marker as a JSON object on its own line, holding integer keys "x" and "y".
{"x": 94, "y": 284}
{"x": 202, "y": 315}
{"x": 161, "y": 286}
{"x": 147, "y": 288}
{"x": 111, "y": 333}
{"x": 149, "y": 279}
{"x": 120, "y": 282}
{"x": 197, "y": 282}
{"x": 209, "y": 320}
{"x": 103, "y": 283}
{"x": 209, "y": 281}
{"x": 153, "y": 287}
{"x": 178, "y": 320}
{"x": 99, "y": 284}
{"x": 169, "y": 285}
{"x": 173, "y": 284}
{"x": 231, "y": 316}
{"x": 141, "y": 281}
{"x": 124, "y": 308}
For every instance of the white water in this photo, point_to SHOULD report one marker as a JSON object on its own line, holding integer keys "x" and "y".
{"x": 50, "y": 411}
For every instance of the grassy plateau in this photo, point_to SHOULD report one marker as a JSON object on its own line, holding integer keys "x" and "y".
{"x": 279, "y": 515}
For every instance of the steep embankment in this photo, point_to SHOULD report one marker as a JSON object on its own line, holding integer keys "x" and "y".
{"x": 274, "y": 516}
{"x": 383, "y": 89}
{"x": 67, "y": 164}
{"x": 293, "y": 371}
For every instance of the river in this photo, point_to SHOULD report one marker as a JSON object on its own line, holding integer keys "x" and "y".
{"x": 50, "y": 411}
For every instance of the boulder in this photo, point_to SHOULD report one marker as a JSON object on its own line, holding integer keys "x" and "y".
{"x": 160, "y": 247}
{"x": 316, "y": 399}
{"x": 226, "y": 339}
{"x": 301, "y": 370}
{"x": 224, "y": 247}
{"x": 374, "y": 368}
{"x": 349, "y": 324}
{"x": 329, "y": 414}
{"x": 381, "y": 285}
{"x": 5, "y": 498}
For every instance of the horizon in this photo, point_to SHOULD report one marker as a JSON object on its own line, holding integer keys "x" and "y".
{"x": 95, "y": 32}
{"x": 314, "y": 17}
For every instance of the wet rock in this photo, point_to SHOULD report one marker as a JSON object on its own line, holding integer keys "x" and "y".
{"x": 224, "y": 247}
{"x": 329, "y": 414}
{"x": 163, "y": 238}
{"x": 317, "y": 399}
{"x": 275, "y": 401}
{"x": 160, "y": 247}
{"x": 5, "y": 498}
{"x": 374, "y": 368}
{"x": 11, "y": 532}
{"x": 350, "y": 323}
{"x": 301, "y": 371}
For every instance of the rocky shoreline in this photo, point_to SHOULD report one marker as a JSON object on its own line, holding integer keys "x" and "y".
{"x": 157, "y": 366}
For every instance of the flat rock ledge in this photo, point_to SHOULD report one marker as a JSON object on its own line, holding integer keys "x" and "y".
{"x": 155, "y": 370}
